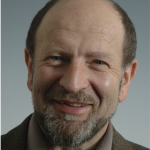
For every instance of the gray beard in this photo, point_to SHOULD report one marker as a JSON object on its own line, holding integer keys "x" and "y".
{"x": 68, "y": 131}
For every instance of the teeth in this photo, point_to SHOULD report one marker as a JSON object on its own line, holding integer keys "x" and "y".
{"x": 74, "y": 105}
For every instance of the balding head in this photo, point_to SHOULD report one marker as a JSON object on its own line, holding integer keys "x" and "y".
{"x": 129, "y": 43}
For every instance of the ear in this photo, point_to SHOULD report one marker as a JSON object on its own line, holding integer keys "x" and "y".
{"x": 28, "y": 62}
{"x": 129, "y": 74}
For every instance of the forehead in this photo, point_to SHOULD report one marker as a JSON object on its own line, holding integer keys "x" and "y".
{"x": 81, "y": 14}
{"x": 82, "y": 17}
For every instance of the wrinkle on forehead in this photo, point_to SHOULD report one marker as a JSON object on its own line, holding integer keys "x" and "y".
{"x": 101, "y": 29}
{"x": 94, "y": 29}
{"x": 101, "y": 33}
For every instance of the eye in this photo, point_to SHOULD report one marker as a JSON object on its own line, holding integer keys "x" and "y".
{"x": 99, "y": 65}
{"x": 56, "y": 57}
{"x": 55, "y": 60}
{"x": 99, "y": 62}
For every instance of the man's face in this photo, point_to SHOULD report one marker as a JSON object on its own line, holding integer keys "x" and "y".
{"x": 77, "y": 68}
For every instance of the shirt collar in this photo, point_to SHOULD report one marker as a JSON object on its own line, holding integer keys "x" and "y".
{"x": 106, "y": 142}
{"x": 37, "y": 141}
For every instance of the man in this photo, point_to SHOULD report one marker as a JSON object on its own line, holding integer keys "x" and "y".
{"x": 80, "y": 59}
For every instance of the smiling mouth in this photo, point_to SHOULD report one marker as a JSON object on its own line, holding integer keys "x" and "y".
{"x": 70, "y": 107}
{"x": 71, "y": 104}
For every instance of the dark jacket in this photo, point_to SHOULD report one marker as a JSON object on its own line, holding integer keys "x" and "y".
{"x": 16, "y": 139}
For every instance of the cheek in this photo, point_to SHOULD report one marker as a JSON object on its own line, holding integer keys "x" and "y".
{"x": 107, "y": 89}
{"x": 43, "y": 79}
{"x": 106, "y": 85}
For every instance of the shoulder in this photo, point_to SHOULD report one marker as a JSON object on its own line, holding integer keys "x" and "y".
{"x": 119, "y": 143}
{"x": 16, "y": 138}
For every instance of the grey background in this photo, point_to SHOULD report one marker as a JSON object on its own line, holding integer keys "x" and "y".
{"x": 132, "y": 119}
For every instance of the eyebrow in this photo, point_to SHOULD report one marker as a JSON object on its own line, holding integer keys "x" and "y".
{"x": 60, "y": 51}
{"x": 99, "y": 54}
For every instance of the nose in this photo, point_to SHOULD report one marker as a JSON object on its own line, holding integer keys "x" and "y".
{"x": 75, "y": 77}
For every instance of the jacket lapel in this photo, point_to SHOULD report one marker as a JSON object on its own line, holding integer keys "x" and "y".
{"x": 16, "y": 139}
{"x": 119, "y": 143}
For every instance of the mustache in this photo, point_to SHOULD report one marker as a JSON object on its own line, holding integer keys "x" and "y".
{"x": 64, "y": 94}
